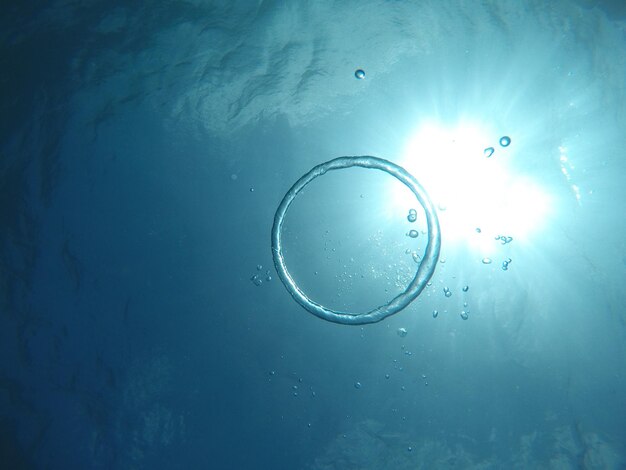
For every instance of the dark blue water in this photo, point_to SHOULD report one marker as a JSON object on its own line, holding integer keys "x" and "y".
{"x": 144, "y": 151}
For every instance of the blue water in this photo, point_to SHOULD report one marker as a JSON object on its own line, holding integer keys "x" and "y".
{"x": 144, "y": 152}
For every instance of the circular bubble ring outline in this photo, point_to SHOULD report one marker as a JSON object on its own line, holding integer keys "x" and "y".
{"x": 426, "y": 267}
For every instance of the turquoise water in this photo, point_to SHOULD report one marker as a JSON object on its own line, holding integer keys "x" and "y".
{"x": 145, "y": 151}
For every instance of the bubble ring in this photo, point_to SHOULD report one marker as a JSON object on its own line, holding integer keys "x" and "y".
{"x": 426, "y": 267}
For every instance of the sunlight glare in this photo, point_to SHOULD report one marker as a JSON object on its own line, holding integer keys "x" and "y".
{"x": 474, "y": 194}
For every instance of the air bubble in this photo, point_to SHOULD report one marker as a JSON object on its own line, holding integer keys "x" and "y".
{"x": 505, "y": 141}
{"x": 488, "y": 152}
{"x": 359, "y": 73}
{"x": 357, "y": 385}
{"x": 486, "y": 260}
{"x": 465, "y": 288}
{"x": 412, "y": 217}
{"x": 402, "y": 332}
{"x": 423, "y": 274}
{"x": 446, "y": 292}
{"x": 464, "y": 315}
{"x": 413, "y": 233}
{"x": 415, "y": 256}
{"x": 435, "y": 313}
{"x": 504, "y": 239}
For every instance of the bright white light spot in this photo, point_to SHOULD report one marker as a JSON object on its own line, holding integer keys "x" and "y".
{"x": 476, "y": 191}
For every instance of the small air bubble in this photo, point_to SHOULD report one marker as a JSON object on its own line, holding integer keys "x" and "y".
{"x": 505, "y": 141}
{"x": 488, "y": 152}
{"x": 412, "y": 217}
{"x": 359, "y": 73}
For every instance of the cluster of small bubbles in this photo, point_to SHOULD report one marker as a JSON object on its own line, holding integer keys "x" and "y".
{"x": 268, "y": 276}
{"x": 465, "y": 288}
{"x": 402, "y": 332}
{"x": 357, "y": 385}
{"x": 464, "y": 315}
{"x": 488, "y": 152}
{"x": 486, "y": 260}
{"x": 416, "y": 257}
{"x": 447, "y": 292}
{"x": 504, "y": 239}
{"x": 505, "y": 264}
{"x": 259, "y": 267}
{"x": 413, "y": 233}
{"x": 359, "y": 74}
{"x": 256, "y": 280}
{"x": 505, "y": 141}
{"x": 412, "y": 217}
{"x": 435, "y": 313}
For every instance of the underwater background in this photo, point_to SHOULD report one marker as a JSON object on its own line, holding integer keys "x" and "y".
{"x": 145, "y": 148}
